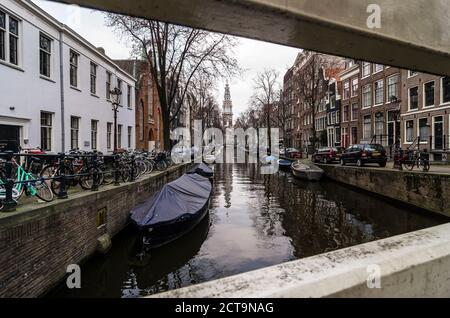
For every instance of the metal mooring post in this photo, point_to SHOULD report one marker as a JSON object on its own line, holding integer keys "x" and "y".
{"x": 9, "y": 205}
{"x": 95, "y": 176}
{"x": 133, "y": 168}
{"x": 116, "y": 170}
{"x": 62, "y": 194}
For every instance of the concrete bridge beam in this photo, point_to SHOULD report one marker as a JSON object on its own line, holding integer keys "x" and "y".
{"x": 412, "y": 34}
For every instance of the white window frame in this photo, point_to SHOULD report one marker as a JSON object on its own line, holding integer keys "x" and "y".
{"x": 355, "y": 92}
{"x": 406, "y": 132}
{"x": 375, "y": 68}
{"x": 375, "y": 93}
{"x": 50, "y": 53}
{"x": 346, "y": 90}
{"x": 412, "y": 73}
{"x": 388, "y": 96}
{"x": 424, "y": 95}
{"x": 409, "y": 99}
{"x": 442, "y": 93}
{"x": 76, "y": 66}
{"x": 6, "y": 61}
{"x": 418, "y": 130}
{"x": 364, "y": 98}
{"x": 364, "y": 64}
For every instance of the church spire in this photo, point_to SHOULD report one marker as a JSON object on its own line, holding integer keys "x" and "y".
{"x": 227, "y": 107}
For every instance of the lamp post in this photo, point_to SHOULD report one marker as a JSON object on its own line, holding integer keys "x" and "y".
{"x": 115, "y": 97}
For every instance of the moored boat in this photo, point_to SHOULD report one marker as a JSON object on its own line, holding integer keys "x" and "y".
{"x": 173, "y": 211}
{"x": 307, "y": 172}
{"x": 202, "y": 169}
{"x": 284, "y": 164}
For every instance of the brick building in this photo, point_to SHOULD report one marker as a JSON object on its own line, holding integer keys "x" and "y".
{"x": 288, "y": 99}
{"x": 349, "y": 91}
{"x": 425, "y": 113}
{"x": 149, "y": 124}
{"x": 380, "y": 100}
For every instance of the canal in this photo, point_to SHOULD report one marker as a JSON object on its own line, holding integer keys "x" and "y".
{"x": 254, "y": 221}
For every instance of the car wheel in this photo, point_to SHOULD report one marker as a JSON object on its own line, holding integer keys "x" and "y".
{"x": 342, "y": 162}
{"x": 383, "y": 164}
{"x": 359, "y": 163}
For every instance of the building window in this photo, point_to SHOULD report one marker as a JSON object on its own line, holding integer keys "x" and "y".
{"x": 354, "y": 112}
{"x": 119, "y": 136}
{"x": 73, "y": 68}
{"x": 429, "y": 94}
{"x": 354, "y": 135}
{"x": 108, "y": 85}
{"x": 367, "y": 96}
{"x": 2, "y": 35}
{"x": 46, "y": 131}
{"x": 13, "y": 41}
{"x": 367, "y": 127}
{"x": 119, "y": 86}
{"x": 346, "y": 90}
{"x": 379, "y": 92}
{"x": 410, "y": 131}
{"x": 379, "y": 124}
{"x": 108, "y": 135}
{"x": 366, "y": 69}
{"x": 93, "y": 78}
{"x": 355, "y": 87}
{"x": 423, "y": 129}
{"x": 413, "y": 98}
{"x": 94, "y": 125}
{"x": 392, "y": 86}
{"x": 45, "y": 51}
{"x": 446, "y": 89}
{"x": 141, "y": 121}
{"x": 130, "y": 129}
{"x": 412, "y": 73}
{"x": 128, "y": 96}
{"x": 345, "y": 114}
{"x": 74, "y": 129}
{"x": 377, "y": 68}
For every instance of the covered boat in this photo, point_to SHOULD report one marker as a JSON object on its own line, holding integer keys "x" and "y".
{"x": 285, "y": 164}
{"x": 201, "y": 169}
{"x": 307, "y": 172}
{"x": 173, "y": 211}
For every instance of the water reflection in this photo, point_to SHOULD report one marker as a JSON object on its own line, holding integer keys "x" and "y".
{"x": 254, "y": 221}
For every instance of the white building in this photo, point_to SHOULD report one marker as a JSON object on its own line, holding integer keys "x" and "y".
{"x": 54, "y": 85}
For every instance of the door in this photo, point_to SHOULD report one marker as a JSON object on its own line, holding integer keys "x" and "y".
{"x": 9, "y": 138}
{"x": 438, "y": 133}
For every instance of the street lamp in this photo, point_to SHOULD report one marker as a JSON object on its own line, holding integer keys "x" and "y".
{"x": 115, "y": 97}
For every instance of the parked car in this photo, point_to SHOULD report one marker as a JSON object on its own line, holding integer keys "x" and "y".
{"x": 362, "y": 154}
{"x": 291, "y": 153}
{"x": 327, "y": 155}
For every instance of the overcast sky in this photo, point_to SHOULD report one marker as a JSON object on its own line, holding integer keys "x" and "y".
{"x": 253, "y": 56}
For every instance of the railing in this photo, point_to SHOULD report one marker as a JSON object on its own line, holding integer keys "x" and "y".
{"x": 93, "y": 166}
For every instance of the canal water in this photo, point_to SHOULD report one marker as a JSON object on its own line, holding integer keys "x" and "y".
{"x": 254, "y": 221}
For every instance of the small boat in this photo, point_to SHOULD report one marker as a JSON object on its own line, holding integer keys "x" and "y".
{"x": 173, "y": 211}
{"x": 202, "y": 169}
{"x": 284, "y": 164}
{"x": 307, "y": 172}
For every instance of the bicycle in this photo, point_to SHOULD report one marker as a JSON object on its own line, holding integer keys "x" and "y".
{"x": 25, "y": 182}
{"x": 411, "y": 159}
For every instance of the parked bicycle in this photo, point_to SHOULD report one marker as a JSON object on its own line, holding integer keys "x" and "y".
{"x": 410, "y": 159}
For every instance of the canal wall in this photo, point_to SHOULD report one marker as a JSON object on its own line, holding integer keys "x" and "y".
{"x": 38, "y": 242}
{"x": 423, "y": 190}
{"x": 415, "y": 264}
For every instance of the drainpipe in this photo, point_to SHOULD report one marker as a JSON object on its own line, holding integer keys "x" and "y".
{"x": 61, "y": 79}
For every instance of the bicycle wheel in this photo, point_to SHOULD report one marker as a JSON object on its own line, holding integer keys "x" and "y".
{"x": 409, "y": 165}
{"x": 108, "y": 175}
{"x": 43, "y": 191}
{"x": 424, "y": 165}
{"x": 87, "y": 179}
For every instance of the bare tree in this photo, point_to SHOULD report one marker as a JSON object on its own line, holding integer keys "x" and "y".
{"x": 176, "y": 54}
{"x": 282, "y": 113}
{"x": 264, "y": 96}
{"x": 312, "y": 83}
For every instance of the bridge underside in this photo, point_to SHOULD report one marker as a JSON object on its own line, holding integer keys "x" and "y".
{"x": 413, "y": 34}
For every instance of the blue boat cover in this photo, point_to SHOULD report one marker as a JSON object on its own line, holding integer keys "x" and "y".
{"x": 202, "y": 169}
{"x": 186, "y": 195}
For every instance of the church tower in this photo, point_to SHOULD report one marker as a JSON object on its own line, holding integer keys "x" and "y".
{"x": 227, "y": 108}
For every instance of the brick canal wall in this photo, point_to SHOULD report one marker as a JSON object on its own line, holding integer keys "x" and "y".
{"x": 424, "y": 190}
{"x": 37, "y": 245}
